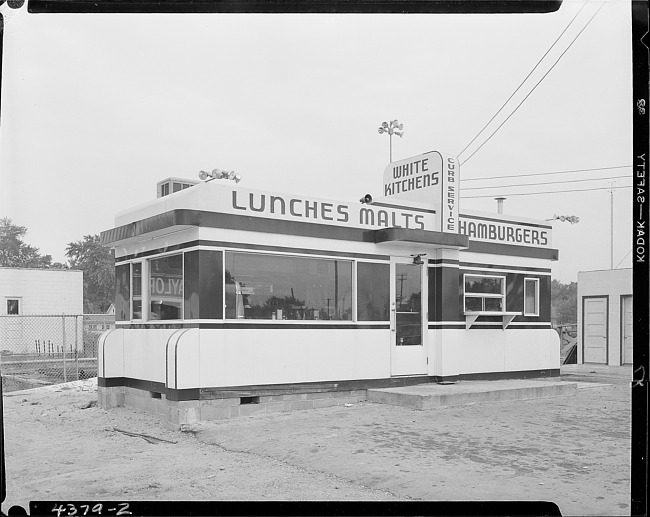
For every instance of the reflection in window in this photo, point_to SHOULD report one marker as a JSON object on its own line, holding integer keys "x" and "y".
{"x": 123, "y": 292}
{"x": 531, "y": 296}
{"x": 373, "y": 291}
{"x": 166, "y": 288}
{"x": 287, "y": 288}
{"x": 136, "y": 289}
{"x": 484, "y": 293}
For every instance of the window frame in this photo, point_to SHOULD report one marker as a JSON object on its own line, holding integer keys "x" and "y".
{"x": 143, "y": 286}
{"x": 536, "y": 281}
{"x": 353, "y": 294}
{"x": 19, "y": 302}
{"x": 483, "y": 296}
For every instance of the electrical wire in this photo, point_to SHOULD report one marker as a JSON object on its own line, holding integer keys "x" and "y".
{"x": 534, "y": 87}
{"x": 522, "y": 82}
{"x": 547, "y": 173}
{"x": 545, "y": 183}
{"x": 552, "y": 192}
{"x": 616, "y": 267}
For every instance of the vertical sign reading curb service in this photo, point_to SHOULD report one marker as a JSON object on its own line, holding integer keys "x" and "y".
{"x": 431, "y": 178}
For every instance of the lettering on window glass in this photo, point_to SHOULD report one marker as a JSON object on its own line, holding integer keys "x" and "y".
{"x": 166, "y": 288}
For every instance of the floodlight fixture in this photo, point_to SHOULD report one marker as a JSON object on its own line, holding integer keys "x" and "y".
{"x": 391, "y": 130}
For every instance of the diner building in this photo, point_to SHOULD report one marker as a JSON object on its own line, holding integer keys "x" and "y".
{"x": 231, "y": 300}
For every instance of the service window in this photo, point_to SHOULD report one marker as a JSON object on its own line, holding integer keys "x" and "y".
{"x": 166, "y": 288}
{"x": 274, "y": 287}
{"x": 13, "y": 306}
{"x": 531, "y": 297}
{"x": 484, "y": 293}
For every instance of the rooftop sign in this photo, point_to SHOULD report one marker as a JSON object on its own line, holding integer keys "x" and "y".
{"x": 432, "y": 178}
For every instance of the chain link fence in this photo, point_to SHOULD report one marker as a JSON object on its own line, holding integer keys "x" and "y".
{"x": 568, "y": 343}
{"x": 39, "y": 350}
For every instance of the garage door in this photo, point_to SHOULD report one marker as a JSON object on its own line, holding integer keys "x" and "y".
{"x": 626, "y": 327}
{"x": 594, "y": 326}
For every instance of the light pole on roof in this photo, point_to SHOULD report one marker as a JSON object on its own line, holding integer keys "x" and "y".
{"x": 390, "y": 129}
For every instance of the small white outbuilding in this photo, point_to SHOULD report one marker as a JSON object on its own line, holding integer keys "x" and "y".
{"x": 605, "y": 317}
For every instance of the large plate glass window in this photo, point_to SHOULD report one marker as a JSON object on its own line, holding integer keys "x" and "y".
{"x": 531, "y": 297}
{"x": 373, "y": 291}
{"x": 484, "y": 293}
{"x": 166, "y": 288}
{"x": 275, "y": 287}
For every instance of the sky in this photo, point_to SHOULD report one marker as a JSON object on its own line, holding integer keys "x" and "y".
{"x": 96, "y": 109}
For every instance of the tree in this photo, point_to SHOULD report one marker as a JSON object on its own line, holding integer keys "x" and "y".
{"x": 564, "y": 302}
{"x": 14, "y": 252}
{"x": 98, "y": 265}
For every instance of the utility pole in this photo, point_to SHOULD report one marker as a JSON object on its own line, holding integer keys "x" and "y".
{"x": 611, "y": 226}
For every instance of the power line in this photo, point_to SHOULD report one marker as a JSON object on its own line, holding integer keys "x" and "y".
{"x": 534, "y": 87}
{"x": 526, "y": 78}
{"x": 545, "y": 183}
{"x": 547, "y": 173}
{"x": 552, "y": 192}
{"x": 623, "y": 258}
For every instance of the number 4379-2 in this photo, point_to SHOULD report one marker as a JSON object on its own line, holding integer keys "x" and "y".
{"x": 70, "y": 509}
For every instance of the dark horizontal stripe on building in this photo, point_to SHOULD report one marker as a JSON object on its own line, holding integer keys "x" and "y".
{"x": 200, "y": 218}
{"x": 449, "y": 262}
{"x": 266, "y": 325}
{"x": 477, "y": 266}
{"x": 493, "y": 376}
{"x": 319, "y": 326}
{"x": 404, "y": 207}
{"x": 212, "y": 393}
{"x": 496, "y": 326}
{"x": 513, "y": 250}
{"x": 256, "y": 247}
{"x": 494, "y": 219}
{"x": 479, "y": 326}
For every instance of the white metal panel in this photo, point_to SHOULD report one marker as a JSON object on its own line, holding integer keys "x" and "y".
{"x": 249, "y": 356}
{"x": 144, "y": 353}
{"x": 110, "y": 349}
{"x": 594, "y": 323}
{"x": 627, "y": 328}
{"x": 486, "y": 350}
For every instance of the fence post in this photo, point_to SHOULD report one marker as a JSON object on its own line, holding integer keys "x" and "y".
{"x": 76, "y": 343}
{"x": 65, "y": 376}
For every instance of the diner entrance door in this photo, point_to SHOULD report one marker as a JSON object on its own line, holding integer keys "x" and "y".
{"x": 408, "y": 315}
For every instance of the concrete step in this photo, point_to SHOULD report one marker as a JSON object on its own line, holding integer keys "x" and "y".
{"x": 431, "y": 395}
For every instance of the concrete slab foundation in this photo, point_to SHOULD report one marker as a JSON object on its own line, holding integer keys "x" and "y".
{"x": 191, "y": 411}
{"x": 428, "y": 396}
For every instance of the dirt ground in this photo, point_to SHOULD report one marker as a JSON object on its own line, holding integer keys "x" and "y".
{"x": 573, "y": 450}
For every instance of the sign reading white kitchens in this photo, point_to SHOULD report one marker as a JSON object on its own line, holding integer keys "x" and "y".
{"x": 432, "y": 178}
